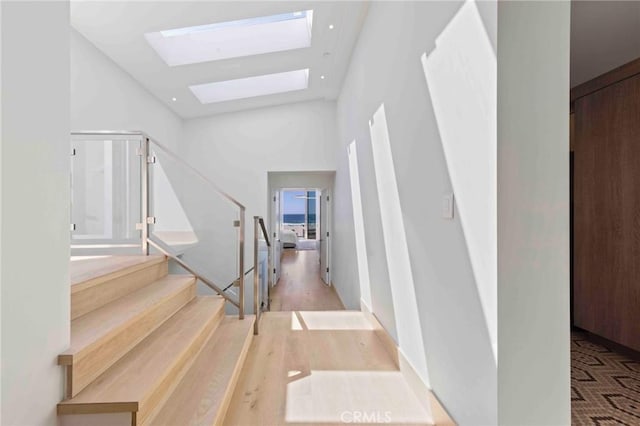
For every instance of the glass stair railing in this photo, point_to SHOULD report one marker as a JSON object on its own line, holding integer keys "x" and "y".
{"x": 131, "y": 194}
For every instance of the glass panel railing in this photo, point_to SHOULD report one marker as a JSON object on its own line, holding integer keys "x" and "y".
{"x": 193, "y": 221}
{"x": 105, "y": 193}
{"x": 131, "y": 195}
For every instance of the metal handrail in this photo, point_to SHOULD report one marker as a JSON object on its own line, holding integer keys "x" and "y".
{"x": 264, "y": 231}
{"x": 189, "y": 269}
{"x": 234, "y": 282}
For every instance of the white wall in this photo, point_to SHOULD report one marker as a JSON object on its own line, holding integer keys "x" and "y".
{"x": 237, "y": 150}
{"x": 105, "y": 97}
{"x": 407, "y": 55}
{"x": 35, "y": 209}
{"x": 311, "y": 179}
{"x": 533, "y": 213}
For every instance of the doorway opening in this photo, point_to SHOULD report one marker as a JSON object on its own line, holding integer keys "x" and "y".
{"x": 301, "y": 227}
{"x": 300, "y": 213}
{"x": 302, "y": 221}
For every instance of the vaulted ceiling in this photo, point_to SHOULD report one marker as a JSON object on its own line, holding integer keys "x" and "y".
{"x": 118, "y": 29}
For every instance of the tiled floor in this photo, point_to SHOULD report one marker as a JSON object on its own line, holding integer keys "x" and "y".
{"x": 605, "y": 385}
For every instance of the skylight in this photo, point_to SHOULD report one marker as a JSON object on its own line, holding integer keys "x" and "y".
{"x": 250, "y": 87}
{"x": 233, "y": 39}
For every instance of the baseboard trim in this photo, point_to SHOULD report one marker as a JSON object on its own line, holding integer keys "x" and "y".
{"x": 417, "y": 385}
{"x": 386, "y": 339}
{"x": 335, "y": 290}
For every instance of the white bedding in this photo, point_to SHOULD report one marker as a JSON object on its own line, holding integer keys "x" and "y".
{"x": 288, "y": 238}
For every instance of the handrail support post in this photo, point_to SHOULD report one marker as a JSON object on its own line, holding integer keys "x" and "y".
{"x": 241, "y": 232}
{"x": 256, "y": 274}
{"x": 145, "y": 197}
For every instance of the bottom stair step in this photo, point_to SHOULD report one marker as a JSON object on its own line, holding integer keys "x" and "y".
{"x": 139, "y": 381}
{"x": 203, "y": 395}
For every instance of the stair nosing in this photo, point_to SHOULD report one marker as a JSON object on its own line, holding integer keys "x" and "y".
{"x": 109, "y": 407}
{"x": 101, "y": 279}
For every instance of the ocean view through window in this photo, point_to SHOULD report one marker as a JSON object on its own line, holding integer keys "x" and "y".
{"x": 299, "y": 212}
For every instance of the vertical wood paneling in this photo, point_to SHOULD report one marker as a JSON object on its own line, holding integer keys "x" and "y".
{"x": 607, "y": 212}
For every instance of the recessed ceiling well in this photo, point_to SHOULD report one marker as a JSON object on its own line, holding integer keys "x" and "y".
{"x": 233, "y": 39}
{"x": 249, "y": 87}
{"x": 222, "y": 56}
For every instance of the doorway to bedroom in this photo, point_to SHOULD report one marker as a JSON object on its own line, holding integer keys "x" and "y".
{"x": 300, "y": 211}
{"x": 300, "y": 224}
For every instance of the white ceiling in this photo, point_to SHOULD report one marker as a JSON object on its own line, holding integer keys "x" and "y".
{"x": 118, "y": 28}
{"x": 604, "y": 35}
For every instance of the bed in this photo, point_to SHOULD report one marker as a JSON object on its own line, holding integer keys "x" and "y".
{"x": 288, "y": 238}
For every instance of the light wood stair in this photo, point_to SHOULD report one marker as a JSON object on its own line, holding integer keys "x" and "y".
{"x": 148, "y": 347}
{"x": 101, "y": 337}
{"x": 203, "y": 395}
{"x": 98, "y": 281}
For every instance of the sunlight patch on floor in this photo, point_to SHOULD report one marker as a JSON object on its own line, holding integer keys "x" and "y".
{"x": 329, "y": 320}
{"x": 353, "y": 397}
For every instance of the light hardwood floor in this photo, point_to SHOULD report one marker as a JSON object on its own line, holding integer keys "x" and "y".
{"x": 309, "y": 367}
{"x": 321, "y": 368}
{"x": 300, "y": 286}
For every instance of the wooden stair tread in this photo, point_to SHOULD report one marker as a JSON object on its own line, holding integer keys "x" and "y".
{"x": 90, "y": 328}
{"x": 128, "y": 384}
{"x": 203, "y": 394}
{"x": 86, "y": 272}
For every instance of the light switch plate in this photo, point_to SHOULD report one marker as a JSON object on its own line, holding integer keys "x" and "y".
{"x": 447, "y": 206}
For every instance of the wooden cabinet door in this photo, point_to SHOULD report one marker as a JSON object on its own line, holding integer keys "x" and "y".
{"x": 607, "y": 212}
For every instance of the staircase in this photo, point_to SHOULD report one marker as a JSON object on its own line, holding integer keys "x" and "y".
{"x": 145, "y": 350}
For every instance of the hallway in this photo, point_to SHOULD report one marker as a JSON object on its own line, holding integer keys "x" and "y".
{"x": 317, "y": 368}
{"x": 320, "y": 368}
{"x": 300, "y": 287}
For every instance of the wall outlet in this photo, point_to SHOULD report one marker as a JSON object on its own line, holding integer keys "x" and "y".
{"x": 447, "y": 206}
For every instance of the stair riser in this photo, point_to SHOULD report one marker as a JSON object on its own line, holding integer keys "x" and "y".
{"x": 106, "y": 419}
{"x": 96, "y": 359}
{"x": 85, "y": 299}
{"x": 163, "y": 390}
